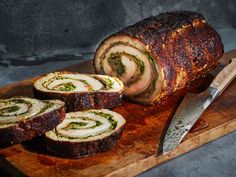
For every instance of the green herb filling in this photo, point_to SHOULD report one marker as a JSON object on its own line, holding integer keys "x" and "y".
{"x": 9, "y": 109}
{"x": 66, "y": 87}
{"x": 107, "y": 116}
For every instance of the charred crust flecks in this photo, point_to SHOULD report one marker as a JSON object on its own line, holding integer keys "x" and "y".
{"x": 83, "y": 101}
{"x": 181, "y": 42}
{"x": 69, "y": 149}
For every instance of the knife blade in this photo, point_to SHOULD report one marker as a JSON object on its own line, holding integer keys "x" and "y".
{"x": 193, "y": 106}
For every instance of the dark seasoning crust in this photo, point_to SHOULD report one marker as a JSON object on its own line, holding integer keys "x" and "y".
{"x": 69, "y": 149}
{"x": 155, "y": 31}
{"x": 178, "y": 41}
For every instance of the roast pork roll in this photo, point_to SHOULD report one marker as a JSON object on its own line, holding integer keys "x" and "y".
{"x": 160, "y": 55}
{"x": 85, "y": 133}
{"x": 80, "y": 91}
{"x": 23, "y": 118}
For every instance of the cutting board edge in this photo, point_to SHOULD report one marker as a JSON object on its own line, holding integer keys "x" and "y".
{"x": 10, "y": 168}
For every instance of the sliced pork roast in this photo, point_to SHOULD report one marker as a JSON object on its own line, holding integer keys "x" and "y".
{"x": 23, "y": 118}
{"x": 80, "y": 91}
{"x": 85, "y": 133}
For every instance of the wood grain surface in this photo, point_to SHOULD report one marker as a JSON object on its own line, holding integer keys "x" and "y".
{"x": 136, "y": 151}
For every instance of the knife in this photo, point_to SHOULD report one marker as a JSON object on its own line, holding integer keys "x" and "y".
{"x": 193, "y": 106}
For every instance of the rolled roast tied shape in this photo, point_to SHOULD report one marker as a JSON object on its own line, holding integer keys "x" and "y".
{"x": 85, "y": 133}
{"x": 80, "y": 91}
{"x": 160, "y": 55}
{"x": 23, "y": 118}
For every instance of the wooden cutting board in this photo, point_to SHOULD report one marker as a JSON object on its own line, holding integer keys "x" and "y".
{"x": 136, "y": 151}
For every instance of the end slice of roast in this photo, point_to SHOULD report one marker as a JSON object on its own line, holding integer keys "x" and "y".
{"x": 85, "y": 133}
{"x": 80, "y": 91}
{"x": 23, "y": 118}
{"x": 160, "y": 55}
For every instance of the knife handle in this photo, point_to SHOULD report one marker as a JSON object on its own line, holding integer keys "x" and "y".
{"x": 226, "y": 75}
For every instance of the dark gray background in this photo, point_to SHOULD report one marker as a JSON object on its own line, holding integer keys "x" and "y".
{"x": 48, "y": 27}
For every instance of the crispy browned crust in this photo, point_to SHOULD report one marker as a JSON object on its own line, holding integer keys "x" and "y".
{"x": 28, "y": 129}
{"x": 81, "y": 101}
{"x": 196, "y": 49}
{"x": 69, "y": 149}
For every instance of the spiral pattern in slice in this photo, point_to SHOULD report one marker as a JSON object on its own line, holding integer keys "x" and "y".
{"x": 17, "y": 109}
{"x": 87, "y": 126}
{"x": 132, "y": 64}
{"x": 74, "y": 82}
{"x": 85, "y": 133}
{"x": 22, "y": 118}
{"x": 160, "y": 55}
{"x": 80, "y": 91}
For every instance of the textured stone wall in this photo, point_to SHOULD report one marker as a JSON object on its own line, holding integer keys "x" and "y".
{"x": 36, "y": 29}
